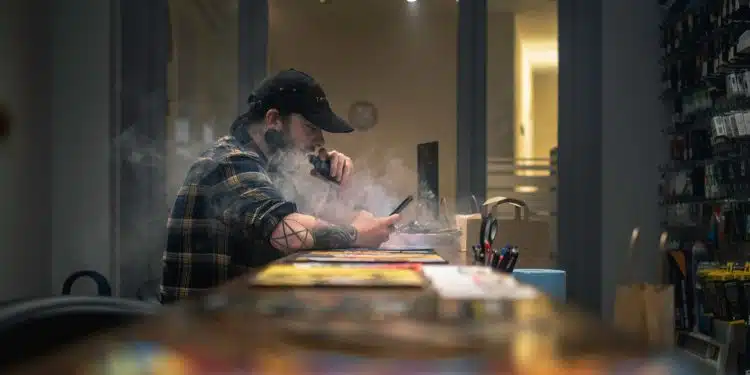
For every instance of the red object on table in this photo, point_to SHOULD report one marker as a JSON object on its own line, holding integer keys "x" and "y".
{"x": 398, "y": 266}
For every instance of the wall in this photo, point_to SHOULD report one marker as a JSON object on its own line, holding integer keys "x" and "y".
{"x": 536, "y": 33}
{"x": 544, "y": 101}
{"x": 80, "y": 157}
{"x": 538, "y": 24}
{"x": 24, "y": 180}
{"x": 401, "y": 57}
{"x": 54, "y": 170}
{"x": 502, "y": 39}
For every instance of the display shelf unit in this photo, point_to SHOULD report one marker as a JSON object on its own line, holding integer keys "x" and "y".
{"x": 705, "y": 187}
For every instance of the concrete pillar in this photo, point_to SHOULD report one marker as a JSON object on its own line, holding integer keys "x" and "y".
{"x": 471, "y": 144}
{"x": 140, "y": 212}
{"x": 580, "y": 150}
{"x": 253, "y": 47}
{"x": 609, "y": 144}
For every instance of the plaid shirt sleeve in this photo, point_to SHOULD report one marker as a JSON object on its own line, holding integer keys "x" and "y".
{"x": 246, "y": 199}
{"x": 223, "y": 217}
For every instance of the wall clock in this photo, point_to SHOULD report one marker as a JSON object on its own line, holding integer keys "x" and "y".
{"x": 363, "y": 115}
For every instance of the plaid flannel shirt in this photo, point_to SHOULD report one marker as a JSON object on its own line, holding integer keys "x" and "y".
{"x": 222, "y": 220}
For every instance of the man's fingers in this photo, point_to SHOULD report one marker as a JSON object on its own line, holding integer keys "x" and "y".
{"x": 346, "y": 171}
{"x": 336, "y": 161}
{"x": 393, "y": 219}
{"x": 341, "y": 165}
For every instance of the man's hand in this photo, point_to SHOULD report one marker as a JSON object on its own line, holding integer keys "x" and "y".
{"x": 373, "y": 231}
{"x": 341, "y": 165}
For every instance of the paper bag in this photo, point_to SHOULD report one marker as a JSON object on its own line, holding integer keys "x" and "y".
{"x": 532, "y": 237}
{"x": 646, "y": 310}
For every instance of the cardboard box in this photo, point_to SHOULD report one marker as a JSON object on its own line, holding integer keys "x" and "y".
{"x": 469, "y": 225}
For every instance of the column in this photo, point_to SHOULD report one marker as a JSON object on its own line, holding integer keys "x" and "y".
{"x": 579, "y": 199}
{"x": 253, "y": 47}
{"x": 610, "y": 146}
{"x": 471, "y": 144}
{"x": 139, "y": 209}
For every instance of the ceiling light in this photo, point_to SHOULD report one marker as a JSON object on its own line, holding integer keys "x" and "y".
{"x": 411, "y": 1}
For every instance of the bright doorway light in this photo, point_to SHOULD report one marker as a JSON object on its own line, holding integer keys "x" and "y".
{"x": 526, "y": 189}
{"x": 533, "y": 55}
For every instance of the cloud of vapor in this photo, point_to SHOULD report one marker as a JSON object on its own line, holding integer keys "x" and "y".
{"x": 369, "y": 190}
{"x": 378, "y": 193}
{"x": 313, "y": 195}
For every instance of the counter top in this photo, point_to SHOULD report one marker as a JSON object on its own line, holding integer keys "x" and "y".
{"x": 285, "y": 331}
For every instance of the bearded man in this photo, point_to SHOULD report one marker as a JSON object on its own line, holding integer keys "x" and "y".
{"x": 229, "y": 216}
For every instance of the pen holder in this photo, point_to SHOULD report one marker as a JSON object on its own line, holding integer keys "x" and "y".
{"x": 501, "y": 260}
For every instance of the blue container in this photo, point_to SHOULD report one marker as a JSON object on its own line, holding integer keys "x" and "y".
{"x": 551, "y": 282}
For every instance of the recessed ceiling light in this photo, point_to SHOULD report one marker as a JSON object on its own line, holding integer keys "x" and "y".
{"x": 411, "y": 1}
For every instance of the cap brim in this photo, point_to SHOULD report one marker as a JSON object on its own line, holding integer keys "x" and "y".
{"x": 329, "y": 122}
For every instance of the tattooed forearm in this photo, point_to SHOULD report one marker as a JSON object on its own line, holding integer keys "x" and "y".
{"x": 334, "y": 237}
{"x": 292, "y": 235}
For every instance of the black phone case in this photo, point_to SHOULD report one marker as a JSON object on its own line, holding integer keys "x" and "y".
{"x": 402, "y": 206}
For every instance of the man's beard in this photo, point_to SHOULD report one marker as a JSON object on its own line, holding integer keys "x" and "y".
{"x": 283, "y": 154}
{"x": 291, "y": 174}
{"x": 277, "y": 141}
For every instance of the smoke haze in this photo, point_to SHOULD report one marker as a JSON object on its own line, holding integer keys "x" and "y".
{"x": 378, "y": 193}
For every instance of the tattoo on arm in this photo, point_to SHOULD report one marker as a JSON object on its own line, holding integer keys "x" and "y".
{"x": 294, "y": 236}
{"x": 334, "y": 237}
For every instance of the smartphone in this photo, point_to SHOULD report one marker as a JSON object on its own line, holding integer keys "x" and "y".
{"x": 402, "y": 205}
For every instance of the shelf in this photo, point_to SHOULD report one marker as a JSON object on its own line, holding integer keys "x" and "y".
{"x": 701, "y": 120}
{"x": 701, "y": 200}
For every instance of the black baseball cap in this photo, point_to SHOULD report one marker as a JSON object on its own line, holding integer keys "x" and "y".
{"x": 291, "y": 91}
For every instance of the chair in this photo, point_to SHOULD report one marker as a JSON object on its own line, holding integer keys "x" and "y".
{"x": 102, "y": 284}
{"x": 36, "y": 327}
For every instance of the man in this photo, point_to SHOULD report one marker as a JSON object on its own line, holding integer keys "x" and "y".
{"x": 228, "y": 216}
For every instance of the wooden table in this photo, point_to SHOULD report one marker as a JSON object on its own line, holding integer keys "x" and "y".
{"x": 285, "y": 331}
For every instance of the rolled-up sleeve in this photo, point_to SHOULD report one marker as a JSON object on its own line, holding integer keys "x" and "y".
{"x": 245, "y": 198}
